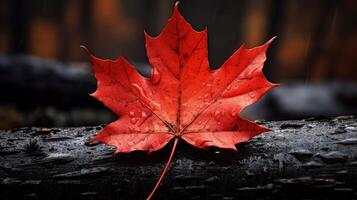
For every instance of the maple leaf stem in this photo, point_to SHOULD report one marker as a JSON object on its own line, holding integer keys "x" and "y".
{"x": 165, "y": 170}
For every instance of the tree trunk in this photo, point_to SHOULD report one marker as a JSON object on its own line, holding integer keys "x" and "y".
{"x": 307, "y": 159}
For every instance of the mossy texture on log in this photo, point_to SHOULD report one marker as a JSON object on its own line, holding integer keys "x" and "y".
{"x": 306, "y": 159}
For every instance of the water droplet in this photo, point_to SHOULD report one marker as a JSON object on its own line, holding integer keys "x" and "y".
{"x": 201, "y": 106}
{"x": 209, "y": 85}
{"x": 217, "y": 115}
{"x": 131, "y": 114}
{"x": 143, "y": 114}
{"x": 233, "y": 113}
{"x": 200, "y": 97}
{"x": 141, "y": 93}
{"x": 155, "y": 76}
{"x": 252, "y": 95}
{"x": 235, "y": 87}
{"x": 206, "y": 95}
{"x": 133, "y": 120}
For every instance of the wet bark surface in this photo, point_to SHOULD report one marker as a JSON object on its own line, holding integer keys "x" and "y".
{"x": 304, "y": 159}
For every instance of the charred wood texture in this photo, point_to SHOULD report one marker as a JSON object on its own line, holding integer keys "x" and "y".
{"x": 306, "y": 159}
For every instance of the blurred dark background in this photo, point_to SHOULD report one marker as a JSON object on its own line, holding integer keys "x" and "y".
{"x": 45, "y": 78}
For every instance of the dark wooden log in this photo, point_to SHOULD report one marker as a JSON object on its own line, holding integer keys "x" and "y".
{"x": 307, "y": 159}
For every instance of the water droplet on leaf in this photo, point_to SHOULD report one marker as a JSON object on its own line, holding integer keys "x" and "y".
{"x": 217, "y": 115}
{"x": 252, "y": 95}
{"x": 131, "y": 114}
{"x": 155, "y": 76}
{"x": 234, "y": 112}
{"x": 143, "y": 114}
{"x": 133, "y": 120}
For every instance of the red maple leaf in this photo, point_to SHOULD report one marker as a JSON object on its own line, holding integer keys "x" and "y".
{"x": 183, "y": 98}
